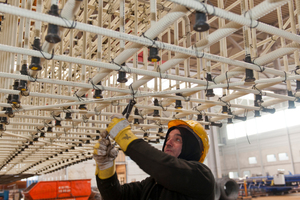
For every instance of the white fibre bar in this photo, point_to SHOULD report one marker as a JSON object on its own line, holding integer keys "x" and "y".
{"x": 140, "y": 40}
{"x": 246, "y": 21}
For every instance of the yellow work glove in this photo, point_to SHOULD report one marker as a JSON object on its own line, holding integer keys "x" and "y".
{"x": 120, "y": 131}
{"x": 105, "y": 155}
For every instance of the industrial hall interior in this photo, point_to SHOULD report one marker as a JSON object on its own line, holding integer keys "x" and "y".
{"x": 68, "y": 66}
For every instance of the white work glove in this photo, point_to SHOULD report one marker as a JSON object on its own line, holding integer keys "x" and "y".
{"x": 118, "y": 123}
{"x": 104, "y": 155}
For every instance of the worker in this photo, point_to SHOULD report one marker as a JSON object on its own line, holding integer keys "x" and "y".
{"x": 176, "y": 173}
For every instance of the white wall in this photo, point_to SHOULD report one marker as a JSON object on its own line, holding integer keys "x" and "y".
{"x": 235, "y": 153}
{"x": 84, "y": 170}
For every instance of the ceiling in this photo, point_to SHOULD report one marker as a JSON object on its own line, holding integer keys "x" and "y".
{"x": 31, "y": 141}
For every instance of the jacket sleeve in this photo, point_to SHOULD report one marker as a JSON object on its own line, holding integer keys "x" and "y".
{"x": 110, "y": 189}
{"x": 189, "y": 178}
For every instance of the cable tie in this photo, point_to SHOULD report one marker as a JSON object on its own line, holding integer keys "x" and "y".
{"x": 54, "y": 117}
{"x": 262, "y": 68}
{"x": 95, "y": 87}
{"x": 195, "y": 108}
{"x": 254, "y": 87}
{"x": 143, "y": 118}
{"x": 85, "y": 119}
{"x": 65, "y": 132}
{"x": 68, "y": 25}
{"x": 32, "y": 79}
{"x": 251, "y": 20}
{"x": 273, "y": 38}
{"x": 285, "y": 77}
{"x": 153, "y": 41}
{"x": 160, "y": 104}
{"x": 80, "y": 99}
{"x": 25, "y": 93}
{"x": 158, "y": 69}
{"x": 112, "y": 103}
{"x": 186, "y": 99}
{"x": 214, "y": 12}
{"x": 66, "y": 110}
{"x": 196, "y": 51}
{"x": 227, "y": 80}
{"x": 73, "y": 125}
{"x": 96, "y": 112}
{"x": 39, "y": 130}
{"x": 132, "y": 91}
{"x": 227, "y": 103}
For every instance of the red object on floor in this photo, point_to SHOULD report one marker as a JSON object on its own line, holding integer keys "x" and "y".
{"x": 67, "y": 190}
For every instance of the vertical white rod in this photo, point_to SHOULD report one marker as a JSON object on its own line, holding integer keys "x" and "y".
{"x": 293, "y": 27}
{"x": 283, "y": 44}
{"x": 27, "y": 32}
{"x": 20, "y": 38}
{"x": 122, "y": 22}
{"x": 223, "y": 45}
{"x": 83, "y": 67}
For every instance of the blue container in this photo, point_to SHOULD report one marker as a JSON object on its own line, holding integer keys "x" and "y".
{"x": 4, "y": 194}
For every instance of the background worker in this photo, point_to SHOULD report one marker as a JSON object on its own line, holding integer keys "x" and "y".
{"x": 176, "y": 173}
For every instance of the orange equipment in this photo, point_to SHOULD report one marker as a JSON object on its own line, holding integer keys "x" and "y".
{"x": 71, "y": 189}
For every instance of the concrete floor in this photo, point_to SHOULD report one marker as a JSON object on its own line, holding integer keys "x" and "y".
{"x": 292, "y": 196}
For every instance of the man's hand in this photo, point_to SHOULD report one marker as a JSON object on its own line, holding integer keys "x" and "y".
{"x": 104, "y": 155}
{"x": 118, "y": 123}
{"x": 120, "y": 130}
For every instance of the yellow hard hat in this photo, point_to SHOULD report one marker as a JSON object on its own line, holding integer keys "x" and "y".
{"x": 198, "y": 129}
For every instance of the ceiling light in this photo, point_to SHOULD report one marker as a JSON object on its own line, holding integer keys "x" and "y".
{"x": 98, "y": 93}
{"x": 225, "y": 109}
{"x": 268, "y": 110}
{"x": 24, "y": 69}
{"x": 22, "y": 85}
{"x": 68, "y": 114}
{"x": 218, "y": 124}
{"x": 153, "y": 54}
{"x": 2, "y": 127}
{"x": 240, "y": 118}
{"x": 206, "y": 126}
{"x": 36, "y": 61}
{"x": 49, "y": 129}
{"x": 199, "y": 117}
{"x": 57, "y": 123}
{"x": 178, "y": 104}
{"x": 209, "y": 92}
{"x": 122, "y": 76}
{"x": 82, "y": 106}
{"x": 156, "y": 112}
{"x": 249, "y": 72}
{"x": 229, "y": 120}
{"x": 3, "y": 120}
{"x": 200, "y": 22}
{"x": 136, "y": 112}
{"x": 9, "y": 112}
{"x": 291, "y": 103}
{"x": 52, "y": 35}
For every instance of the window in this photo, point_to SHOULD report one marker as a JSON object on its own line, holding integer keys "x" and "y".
{"x": 271, "y": 158}
{"x": 233, "y": 175}
{"x": 265, "y": 123}
{"x": 246, "y": 173}
{"x": 252, "y": 160}
{"x": 283, "y": 156}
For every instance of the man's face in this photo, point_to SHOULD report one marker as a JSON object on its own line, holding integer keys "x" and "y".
{"x": 174, "y": 143}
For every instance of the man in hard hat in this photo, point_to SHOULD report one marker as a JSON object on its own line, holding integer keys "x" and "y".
{"x": 176, "y": 173}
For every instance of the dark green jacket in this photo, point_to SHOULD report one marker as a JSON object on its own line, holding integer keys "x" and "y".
{"x": 178, "y": 179}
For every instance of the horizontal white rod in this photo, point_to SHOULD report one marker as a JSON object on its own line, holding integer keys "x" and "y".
{"x": 271, "y": 80}
{"x": 98, "y": 64}
{"x": 246, "y": 21}
{"x": 109, "y": 33}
